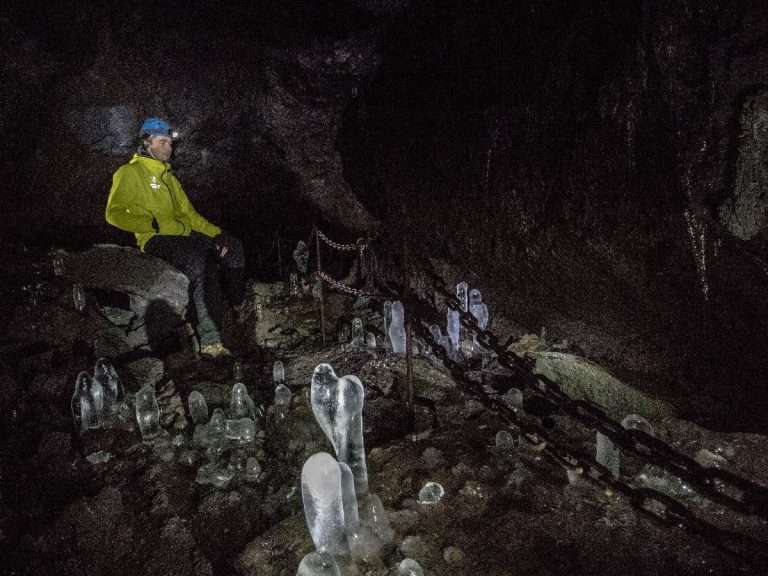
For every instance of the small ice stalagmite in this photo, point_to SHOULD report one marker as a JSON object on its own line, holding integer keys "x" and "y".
{"x": 278, "y": 372}
{"x": 318, "y": 564}
{"x": 240, "y": 403}
{"x": 358, "y": 333}
{"x": 397, "y": 328}
{"x": 198, "y": 408}
{"x": 241, "y": 430}
{"x": 321, "y": 491}
{"x": 147, "y": 412}
{"x": 462, "y": 291}
{"x": 479, "y": 310}
{"x": 337, "y": 404}
{"x": 106, "y": 375}
{"x": 431, "y": 493}
{"x": 409, "y": 567}
{"x": 453, "y": 327}
{"x": 87, "y": 403}
{"x": 282, "y": 402}
{"x": 387, "y": 313}
{"x": 78, "y": 297}
{"x": 301, "y": 256}
{"x": 637, "y": 422}
{"x": 370, "y": 340}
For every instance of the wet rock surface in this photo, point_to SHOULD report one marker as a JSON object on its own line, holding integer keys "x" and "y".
{"x": 104, "y": 502}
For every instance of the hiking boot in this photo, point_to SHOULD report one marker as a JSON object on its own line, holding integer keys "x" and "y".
{"x": 217, "y": 350}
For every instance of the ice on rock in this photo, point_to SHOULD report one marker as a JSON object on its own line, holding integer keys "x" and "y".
{"x": 282, "y": 401}
{"x": 240, "y": 404}
{"x": 278, "y": 372}
{"x": 409, "y": 567}
{"x": 462, "y": 292}
{"x": 607, "y": 454}
{"x": 637, "y": 422}
{"x": 480, "y": 311}
{"x": 212, "y": 474}
{"x": 321, "y": 491}
{"x": 147, "y": 412}
{"x": 105, "y": 374}
{"x": 441, "y": 339}
{"x": 198, "y": 408}
{"x": 241, "y": 430}
{"x": 318, "y": 564}
{"x": 431, "y": 493}
{"x": 505, "y": 441}
{"x": 397, "y": 328}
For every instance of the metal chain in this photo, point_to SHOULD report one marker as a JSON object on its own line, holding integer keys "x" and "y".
{"x": 667, "y": 510}
{"x": 715, "y": 483}
{"x": 359, "y": 245}
{"x": 341, "y": 287}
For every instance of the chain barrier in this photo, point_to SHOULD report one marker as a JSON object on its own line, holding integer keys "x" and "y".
{"x": 657, "y": 505}
{"x": 359, "y": 245}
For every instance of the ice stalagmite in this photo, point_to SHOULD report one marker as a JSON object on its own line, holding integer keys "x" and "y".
{"x": 147, "y": 412}
{"x": 106, "y": 375}
{"x": 397, "y": 328}
{"x": 462, "y": 291}
{"x": 324, "y": 504}
{"x": 358, "y": 333}
{"x": 318, "y": 564}
{"x": 240, "y": 403}
{"x": 87, "y": 403}
{"x": 278, "y": 372}
{"x": 453, "y": 328}
{"x": 282, "y": 401}
{"x": 337, "y": 404}
{"x": 198, "y": 408}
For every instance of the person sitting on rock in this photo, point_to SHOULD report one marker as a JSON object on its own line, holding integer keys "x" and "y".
{"x": 147, "y": 199}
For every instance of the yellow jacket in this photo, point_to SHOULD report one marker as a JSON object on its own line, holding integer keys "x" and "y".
{"x": 146, "y": 188}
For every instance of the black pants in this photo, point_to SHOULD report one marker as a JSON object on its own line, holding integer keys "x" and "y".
{"x": 197, "y": 258}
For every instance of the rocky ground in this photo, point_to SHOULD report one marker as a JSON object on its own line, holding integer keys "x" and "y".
{"x": 105, "y": 502}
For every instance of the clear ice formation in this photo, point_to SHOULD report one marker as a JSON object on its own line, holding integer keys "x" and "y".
{"x": 241, "y": 430}
{"x": 278, "y": 372}
{"x": 240, "y": 403}
{"x": 198, "y": 408}
{"x": 397, "y": 328}
{"x": 462, "y": 292}
{"x": 318, "y": 564}
{"x": 282, "y": 401}
{"x": 105, "y": 374}
{"x": 87, "y": 403}
{"x": 441, "y": 339}
{"x": 409, "y": 567}
{"x": 637, "y": 422}
{"x": 370, "y": 340}
{"x": 358, "y": 333}
{"x": 660, "y": 480}
{"x": 293, "y": 283}
{"x": 387, "y": 313}
{"x": 147, "y": 412}
{"x": 453, "y": 327}
{"x": 373, "y": 515}
{"x": 505, "y": 441}
{"x": 301, "y": 256}
{"x": 337, "y": 404}
{"x": 431, "y": 493}
{"x": 477, "y": 308}
{"x": 607, "y": 454}
{"x": 321, "y": 491}
{"x": 78, "y": 297}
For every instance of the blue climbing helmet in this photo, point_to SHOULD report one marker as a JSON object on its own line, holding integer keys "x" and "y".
{"x": 155, "y": 127}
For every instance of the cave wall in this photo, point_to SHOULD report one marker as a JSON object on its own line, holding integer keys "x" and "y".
{"x": 597, "y": 168}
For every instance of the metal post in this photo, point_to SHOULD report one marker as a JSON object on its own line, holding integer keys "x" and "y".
{"x": 322, "y": 287}
{"x": 408, "y": 344}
